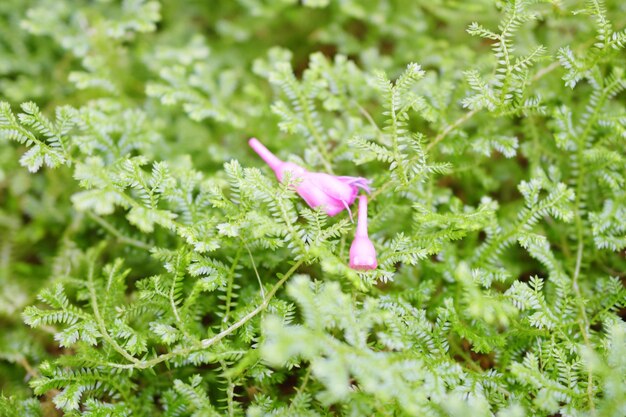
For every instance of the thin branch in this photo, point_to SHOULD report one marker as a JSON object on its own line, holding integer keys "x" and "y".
{"x": 229, "y": 286}
{"x": 450, "y": 128}
{"x": 300, "y": 389}
{"x": 441, "y": 136}
{"x": 206, "y": 343}
{"x": 256, "y": 272}
{"x": 367, "y": 115}
{"x": 100, "y": 321}
{"x": 30, "y": 371}
{"x": 545, "y": 70}
{"x": 121, "y": 237}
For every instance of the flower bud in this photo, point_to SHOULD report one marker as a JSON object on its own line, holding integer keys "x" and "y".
{"x": 362, "y": 251}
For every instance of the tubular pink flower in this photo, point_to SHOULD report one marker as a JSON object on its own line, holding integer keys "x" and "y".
{"x": 331, "y": 192}
{"x": 362, "y": 251}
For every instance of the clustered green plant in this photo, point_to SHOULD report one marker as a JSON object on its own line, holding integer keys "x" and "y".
{"x": 151, "y": 264}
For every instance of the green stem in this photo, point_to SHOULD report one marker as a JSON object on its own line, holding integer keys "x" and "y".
{"x": 229, "y": 285}
{"x": 109, "y": 228}
{"x": 100, "y": 321}
{"x": 208, "y": 342}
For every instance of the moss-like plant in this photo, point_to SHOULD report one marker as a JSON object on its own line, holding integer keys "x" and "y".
{"x": 151, "y": 264}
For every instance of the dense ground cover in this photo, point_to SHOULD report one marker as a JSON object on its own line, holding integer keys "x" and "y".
{"x": 151, "y": 264}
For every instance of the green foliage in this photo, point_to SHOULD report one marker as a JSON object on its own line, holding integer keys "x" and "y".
{"x": 150, "y": 264}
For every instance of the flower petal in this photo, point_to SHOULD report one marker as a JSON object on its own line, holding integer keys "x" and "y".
{"x": 360, "y": 182}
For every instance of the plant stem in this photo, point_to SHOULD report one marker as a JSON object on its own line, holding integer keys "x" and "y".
{"x": 205, "y": 343}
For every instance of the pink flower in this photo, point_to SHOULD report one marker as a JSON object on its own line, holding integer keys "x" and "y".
{"x": 331, "y": 192}
{"x": 362, "y": 251}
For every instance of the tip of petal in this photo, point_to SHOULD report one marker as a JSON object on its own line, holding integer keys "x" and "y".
{"x": 360, "y": 182}
{"x": 364, "y": 184}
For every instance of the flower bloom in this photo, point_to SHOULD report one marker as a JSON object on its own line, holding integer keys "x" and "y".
{"x": 332, "y": 193}
{"x": 362, "y": 251}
